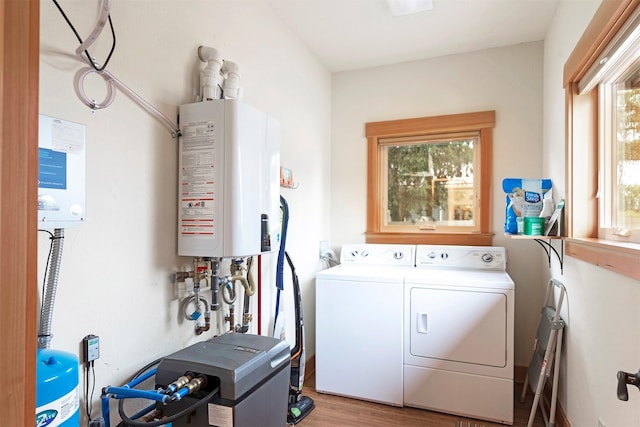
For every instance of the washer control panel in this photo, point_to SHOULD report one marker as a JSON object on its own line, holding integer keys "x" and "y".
{"x": 378, "y": 254}
{"x": 461, "y": 257}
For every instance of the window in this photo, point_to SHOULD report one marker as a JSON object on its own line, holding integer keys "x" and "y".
{"x": 429, "y": 180}
{"x": 619, "y": 161}
{"x": 616, "y": 78}
{"x": 603, "y": 124}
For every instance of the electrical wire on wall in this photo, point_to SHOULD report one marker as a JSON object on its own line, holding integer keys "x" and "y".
{"x": 112, "y": 82}
{"x": 88, "y": 406}
{"x": 106, "y": 5}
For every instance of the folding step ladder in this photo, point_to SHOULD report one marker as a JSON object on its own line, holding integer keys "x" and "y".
{"x": 548, "y": 343}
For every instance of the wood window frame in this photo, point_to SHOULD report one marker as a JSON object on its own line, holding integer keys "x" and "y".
{"x": 581, "y": 148}
{"x": 482, "y": 122}
{"x": 19, "y": 62}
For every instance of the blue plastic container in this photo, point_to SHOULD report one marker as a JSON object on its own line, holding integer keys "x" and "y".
{"x": 57, "y": 389}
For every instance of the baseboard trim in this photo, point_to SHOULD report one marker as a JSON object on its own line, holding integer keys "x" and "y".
{"x": 310, "y": 367}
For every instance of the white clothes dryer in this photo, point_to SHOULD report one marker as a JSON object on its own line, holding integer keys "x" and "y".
{"x": 459, "y": 320}
{"x": 359, "y": 323}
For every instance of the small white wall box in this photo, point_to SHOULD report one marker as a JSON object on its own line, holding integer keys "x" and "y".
{"x": 61, "y": 173}
{"x": 229, "y": 183}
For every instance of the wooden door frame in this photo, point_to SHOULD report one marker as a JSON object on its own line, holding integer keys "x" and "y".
{"x": 19, "y": 77}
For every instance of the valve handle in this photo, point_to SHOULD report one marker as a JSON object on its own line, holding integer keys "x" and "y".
{"x": 625, "y": 378}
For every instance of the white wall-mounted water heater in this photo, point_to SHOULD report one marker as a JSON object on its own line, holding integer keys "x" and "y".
{"x": 228, "y": 185}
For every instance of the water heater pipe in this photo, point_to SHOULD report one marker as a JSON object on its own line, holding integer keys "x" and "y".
{"x": 229, "y": 287}
{"x": 49, "y": 293}
{"x": 210, "y": 78}
{"x": 231, "y": 86}
{"x": 215, "y": 284}
{"x": 246, "y": 315}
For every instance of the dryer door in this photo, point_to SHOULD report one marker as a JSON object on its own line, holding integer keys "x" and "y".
{"x": 466, "y": 326}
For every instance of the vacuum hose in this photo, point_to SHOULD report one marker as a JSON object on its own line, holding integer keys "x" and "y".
{"x": 49, "y": 294}
{"x": 284, "y": 207}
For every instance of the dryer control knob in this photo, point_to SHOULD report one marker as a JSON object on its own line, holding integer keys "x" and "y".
{"x": 398, "y": 255}
{"x": 487, "y": 258}
{"x": 444, "y": 255}
{"x": 364, "y": 254}
{"x": 432, "y": 255}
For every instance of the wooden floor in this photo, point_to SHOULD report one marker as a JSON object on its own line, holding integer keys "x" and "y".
{"x": 334, "y": 411}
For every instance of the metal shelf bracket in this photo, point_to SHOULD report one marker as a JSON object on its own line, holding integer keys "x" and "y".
{"x": 549, "y": 248}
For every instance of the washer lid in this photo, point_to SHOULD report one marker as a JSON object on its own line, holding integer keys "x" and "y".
{"x": 364, "y": 273}
{"x": 485, "y": 279}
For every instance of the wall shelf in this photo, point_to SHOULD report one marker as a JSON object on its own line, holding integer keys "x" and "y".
{"x": 545, "y": 242}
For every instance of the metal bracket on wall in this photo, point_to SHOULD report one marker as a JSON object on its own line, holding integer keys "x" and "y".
{"x": 549, "y": 248}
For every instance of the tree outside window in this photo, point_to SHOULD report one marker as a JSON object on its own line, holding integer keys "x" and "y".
{"x": 431, "y": 182}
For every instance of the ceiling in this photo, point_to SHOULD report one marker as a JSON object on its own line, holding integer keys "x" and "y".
{"x": 352, "y": 34}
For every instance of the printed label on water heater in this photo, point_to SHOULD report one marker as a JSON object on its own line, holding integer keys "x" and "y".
{"x": 220, "y": 416}
{"x": 198, "y": 186}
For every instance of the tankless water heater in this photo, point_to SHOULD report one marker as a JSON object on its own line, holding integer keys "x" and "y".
{"x": 228, "y": 180}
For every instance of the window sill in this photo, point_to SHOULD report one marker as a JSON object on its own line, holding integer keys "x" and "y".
{"x": 430, "y": 238}
{"x": 619, "y": 257}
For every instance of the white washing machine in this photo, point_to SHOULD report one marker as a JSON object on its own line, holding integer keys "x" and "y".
{"x": 458, "y": 348}
{"x": 359, "y": 323}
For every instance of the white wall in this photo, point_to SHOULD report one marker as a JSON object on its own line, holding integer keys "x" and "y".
{"x": 116, "y": 267}
{"x": 507, "y": 80}
{"x": 115, "y": 272}
{"x": 602, "y": 318}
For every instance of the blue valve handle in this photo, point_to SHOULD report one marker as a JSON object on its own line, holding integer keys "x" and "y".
{"x": 625, "y": 378}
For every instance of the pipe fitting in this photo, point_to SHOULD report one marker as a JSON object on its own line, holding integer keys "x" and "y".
{"x": 215, "y": 284}
{"x": 207, "y": 324}
{"x": 181, "y": 276}
{"x": 179, "y": 383}
{"x": 210, "y": 78}
{"x": 231, "y": 85}
{"x": 196, "y": 384}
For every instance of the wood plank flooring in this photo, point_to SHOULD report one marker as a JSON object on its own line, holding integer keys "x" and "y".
{"x": 335, "y": 411}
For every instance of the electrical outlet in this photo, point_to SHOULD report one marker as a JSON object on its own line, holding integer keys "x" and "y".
{"x": 601, "y": 422}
